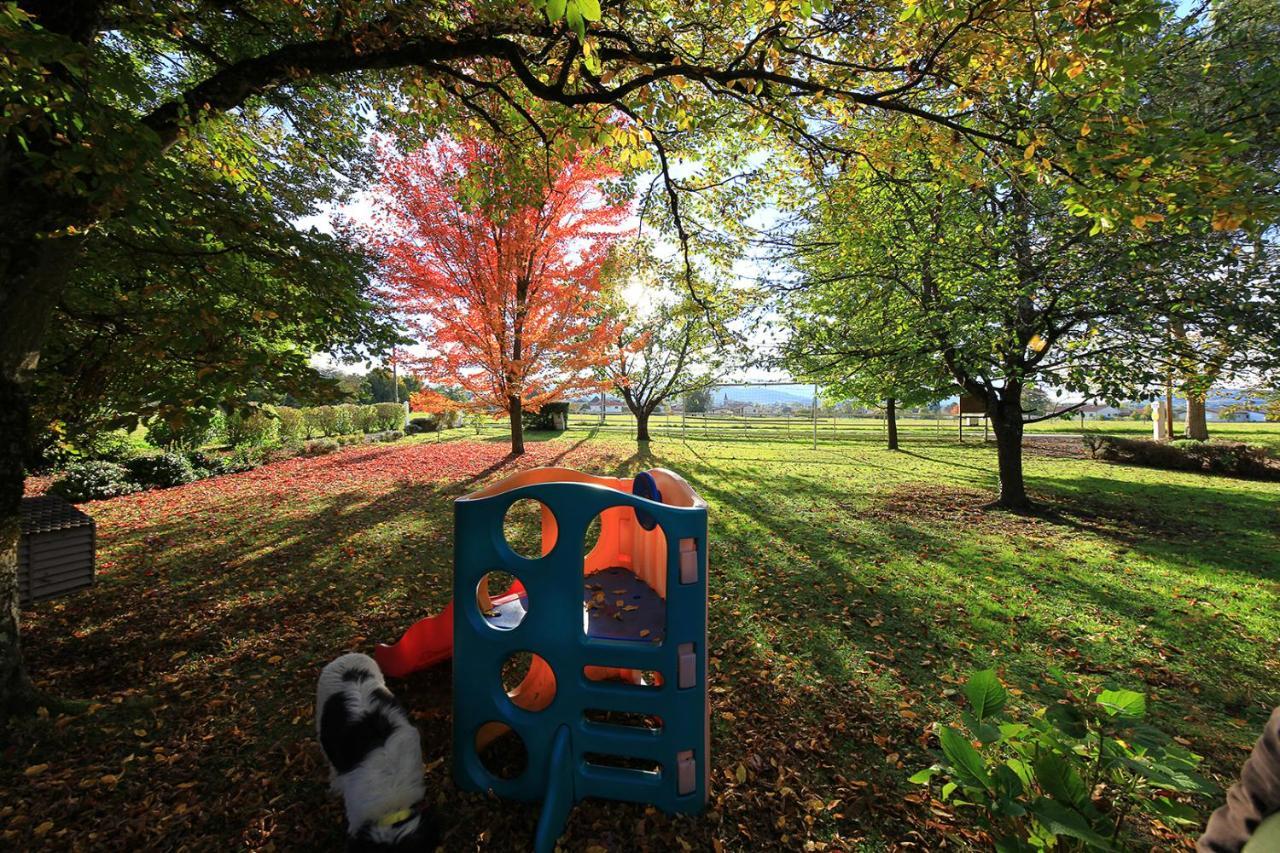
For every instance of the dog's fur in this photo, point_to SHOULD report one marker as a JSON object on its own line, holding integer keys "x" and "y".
{"x": 375, "y": 757}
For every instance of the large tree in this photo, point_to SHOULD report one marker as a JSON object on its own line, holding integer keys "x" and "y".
{"x": 200, "y": 296}
{"x": 1003, "y": 288}
{"x": 495, "y": 264}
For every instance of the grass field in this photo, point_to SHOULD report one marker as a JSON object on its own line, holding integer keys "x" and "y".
{"x": 852, "y": 589}
{"x": 799, "y": 428}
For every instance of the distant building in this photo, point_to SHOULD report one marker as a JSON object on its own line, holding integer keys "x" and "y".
{"x": 1097, "y": 412}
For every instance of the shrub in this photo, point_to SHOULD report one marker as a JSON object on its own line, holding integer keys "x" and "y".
{"x": 390, "y": 435}
{"x": 93, "y": 480}
{"x": 161, "y": 470}
{"x": 1220, "y": 457}
{"x": 422, "y": 423}
{"x": 243, "y": 458}
{"x": 319, "y": 447}
{"x": 291, "y": 427}
{"x": 1068, "y": 774}
{"x": 345, "y": 418}
{"x": 203, "y": 464}
{"x": 367, "y": 419}
{"x": 113, "y": 446}
{"x": 315, "y": 420}
{"x": 252, "y": 428}
{"x": 551, "y": 416}
{"x": 390, "y": 415}
{"x": 191, "y": 433}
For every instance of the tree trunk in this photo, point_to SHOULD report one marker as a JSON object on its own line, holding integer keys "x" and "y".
{"x": 1196, "y": 426}
{"x": 642, "y": 425}
{"x": 891, "y": 421}
{"x": 15, "y": 689}
{"x": 34, "y": 273}
{"x": 516, "y": 410}
{"x": 1006, "y": 420}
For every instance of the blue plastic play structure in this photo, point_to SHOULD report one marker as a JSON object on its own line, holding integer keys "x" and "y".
{"x": 615, "y": 701}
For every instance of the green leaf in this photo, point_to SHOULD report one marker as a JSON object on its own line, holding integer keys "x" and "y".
{"x": 966, "y": 760}
{"x": 574, "y": 16}
{"x": 1123, "y": 703}
{"x": 985, "y": 692}
{"x": 590, "y": 9}
{"x": 555, "y": 9}
{"x": 984, "y": 732}
{"x": 923, "y": 776}
{"x": 1060, "y": 820}
{"x": 1171, "y": 810}
{"x": 1061, "y": 781}
{"x": 1067, "y": 719}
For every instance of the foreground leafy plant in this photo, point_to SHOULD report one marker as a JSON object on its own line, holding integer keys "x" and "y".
{"x": 1068, "y": 776}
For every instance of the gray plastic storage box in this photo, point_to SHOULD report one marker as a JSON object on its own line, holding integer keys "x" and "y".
{"x": 55, "y": 554}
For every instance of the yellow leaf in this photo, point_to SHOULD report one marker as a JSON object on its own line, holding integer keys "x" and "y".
{"x": 1085, "y": 129}
{"x": 741, "y": 773}
{"x": 35, "y": 770}
{"x": 43, "y": 829}
{"x": 109, "y": 779}
{"x": 274, "y": 659}
{"x": 1075, "y": 69}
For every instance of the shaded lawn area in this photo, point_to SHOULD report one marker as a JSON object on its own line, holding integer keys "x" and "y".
{"x": 853, "y": 589}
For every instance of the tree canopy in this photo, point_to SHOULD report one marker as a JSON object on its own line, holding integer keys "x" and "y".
{"x": 498, "y": 276}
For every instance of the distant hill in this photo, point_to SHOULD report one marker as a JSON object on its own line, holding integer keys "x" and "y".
{"x": 762, "y": 395}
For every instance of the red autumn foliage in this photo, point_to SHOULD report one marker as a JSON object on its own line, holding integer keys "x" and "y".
{"x": 496, "y": 266}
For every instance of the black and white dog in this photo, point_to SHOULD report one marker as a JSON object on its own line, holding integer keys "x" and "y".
{"x": 375, "y": 758}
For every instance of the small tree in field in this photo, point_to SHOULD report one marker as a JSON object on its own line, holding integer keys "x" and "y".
{"x": 494, "y": 261}
{"x": 661, "y": 353}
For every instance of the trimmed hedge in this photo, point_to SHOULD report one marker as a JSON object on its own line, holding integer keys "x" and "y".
{"x": 162, "y": 470}
{"x": 1218, "y": 457}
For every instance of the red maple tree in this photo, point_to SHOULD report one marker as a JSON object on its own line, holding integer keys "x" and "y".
{"x": 495, "y": 264}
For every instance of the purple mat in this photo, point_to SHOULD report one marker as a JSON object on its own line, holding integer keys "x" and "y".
{"x": 617, "y": 605}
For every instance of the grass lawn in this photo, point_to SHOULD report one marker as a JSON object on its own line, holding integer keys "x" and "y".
{"x": 852, "y": 590}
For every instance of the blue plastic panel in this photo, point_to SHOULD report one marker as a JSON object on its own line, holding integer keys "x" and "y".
{"x": 553, "y": 629}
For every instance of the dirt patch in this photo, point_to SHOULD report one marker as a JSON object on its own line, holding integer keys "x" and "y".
{"x": 1055, "y": 446}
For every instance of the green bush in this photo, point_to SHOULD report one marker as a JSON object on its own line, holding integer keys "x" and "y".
{"x": 203, "y": 464}
{"x": 367, "y": 419}
{"x": 422, "y": 423}
{"x": 1219, "y": 457}
{"x": 113, "y": 446}
{"x": 315, "y": 421}
{"x": 291, "y": 427}
{"x": 93, "y": 480}
{"x": 390, "y": 435}
{"x": 193, "y": 432}
{"x": 345, "y": 419}
{"x": 551, "y": 416}
{"x": 253, "y": 428}
{"x": 389, "y": 416}
{"x": 1066, "y": 776}
{"x": 161, "y": 471}
{"x": 243, "y": 458}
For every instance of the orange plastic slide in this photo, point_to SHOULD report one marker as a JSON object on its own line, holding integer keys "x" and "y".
{"x": 430, "y": 641}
